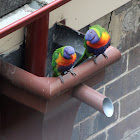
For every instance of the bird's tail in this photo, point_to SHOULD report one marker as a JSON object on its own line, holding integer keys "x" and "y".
{"x": 82, "y": 58}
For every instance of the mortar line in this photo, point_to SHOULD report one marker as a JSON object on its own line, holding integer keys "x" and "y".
{"x": 103, "y": 90}
{"x": 123, "y": 74}
{"x": 111, "y": 125}
{"x": 85, "y": 119}
{"x": 119, "y": 119}
{"x": 131, "y": 133}
{"x": 113, "y": 102}
{"x": 116, "y": 78}
{"x": 106, "y": 135}
{"x": 138, "y": 88}
{"x": 102, "y": 87}
{"x": 137, "y": 45}
{"x": 102, "y": 131}
{"x": 115, "y": 123}
{"x": 119, "y": 110}
{"x": 127, "y": 62}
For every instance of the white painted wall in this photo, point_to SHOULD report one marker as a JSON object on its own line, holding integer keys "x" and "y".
{"x": 11, "y": 42}
{"x": 78, "y": 14}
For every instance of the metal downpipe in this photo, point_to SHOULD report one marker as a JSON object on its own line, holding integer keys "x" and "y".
{"x": 94, "y": 99}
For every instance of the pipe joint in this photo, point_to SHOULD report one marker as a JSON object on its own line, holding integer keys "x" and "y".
{"x": 48, "y": 87}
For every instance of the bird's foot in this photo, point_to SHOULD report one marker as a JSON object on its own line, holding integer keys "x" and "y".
{"x": 65, "y": 72}
{"x": 61, "y": 78}
{"x": 105, "y": 55}
{"x": 94, "y": 59}
{"x": 72, "y": 72}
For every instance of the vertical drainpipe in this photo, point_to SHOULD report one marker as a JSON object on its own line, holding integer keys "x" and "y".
{"x": 36, "y": 44}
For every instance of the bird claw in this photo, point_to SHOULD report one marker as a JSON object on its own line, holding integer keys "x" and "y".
{"x": 65, "y": 72}
{"x": 94, "y": 59}
{"x": 72, "y": 72}
{"x": 61, "y": 78}
{"x": 105, "y": 55}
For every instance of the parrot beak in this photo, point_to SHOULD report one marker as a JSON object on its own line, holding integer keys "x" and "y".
{"x": 72, "y": 56}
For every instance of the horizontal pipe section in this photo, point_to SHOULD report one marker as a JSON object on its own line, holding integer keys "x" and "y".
{"x": 48, "y": 87}
{"x": 22, "y": 96}
{"x": 94, "y": 99}
{"x": 85, "y": 71}
{"x": 31, "y": 17}
{"x": 38, "y": 102}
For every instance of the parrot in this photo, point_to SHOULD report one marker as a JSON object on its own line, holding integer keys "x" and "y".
{"x": 96, "y": 41}
{"x": 62, "y": 61}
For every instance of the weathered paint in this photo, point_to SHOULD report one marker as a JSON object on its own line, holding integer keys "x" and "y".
{"x": 75, "y": 12}
{"x": 80, "y": 13}
{"x": 11, "y": 42}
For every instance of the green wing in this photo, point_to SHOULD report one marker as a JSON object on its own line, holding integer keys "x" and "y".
{"x": 84, "y": 56}
{"x": 99, "y": 28}
{"x": 99, "y": 31}
{"x": 54, "y": 57}
{"x": 85, "y": 43}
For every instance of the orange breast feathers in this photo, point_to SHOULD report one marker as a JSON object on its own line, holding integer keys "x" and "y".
{"x": 61, "y": 61}
{"x": 103, "y": 41}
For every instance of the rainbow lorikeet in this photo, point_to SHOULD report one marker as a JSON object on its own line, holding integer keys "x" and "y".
{"x": 62, "y": 61}
{"x": 96, "y": 41}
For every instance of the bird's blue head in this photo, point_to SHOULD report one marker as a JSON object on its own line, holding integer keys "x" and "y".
{"x": 68, "y": 52}
{"x": 92, "y": 36}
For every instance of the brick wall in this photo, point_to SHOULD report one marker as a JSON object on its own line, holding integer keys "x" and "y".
{"x": 121, "y": 83}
